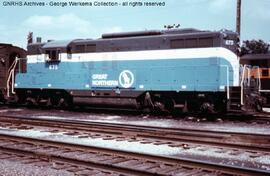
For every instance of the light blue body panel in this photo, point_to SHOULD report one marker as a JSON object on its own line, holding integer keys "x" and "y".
{"x": 198, "y": 74}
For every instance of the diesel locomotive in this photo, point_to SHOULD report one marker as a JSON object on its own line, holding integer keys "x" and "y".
{"x": 158, "y": 70}
{"x": 263, "y": 62}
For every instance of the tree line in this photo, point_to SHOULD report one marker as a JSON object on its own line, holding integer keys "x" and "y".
{"x": 254, "y": 47}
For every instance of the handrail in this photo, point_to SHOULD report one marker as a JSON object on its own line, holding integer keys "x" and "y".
{"x": 248, "y": 77}
{"x": 11, "y": 77}
{"x": 258, "y": 70}
{"x": 242, "y": 84}
{"x": 258, "y": 77}
{"x": 12, "y": 65}
{"x": 227, "y": 81}
{"x": 245, "y": 78}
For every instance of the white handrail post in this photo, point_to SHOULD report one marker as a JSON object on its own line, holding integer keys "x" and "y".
{"x": 227, "y": 81}
{"x": 228, "y": 88}
{"x": 248, "y": 76}
{"x": 11, "y": 77}
{"x": 13, "y": 81}
{"x": 242, "y": 84}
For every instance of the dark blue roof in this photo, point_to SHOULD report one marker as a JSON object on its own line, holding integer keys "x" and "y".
{"x": 57, "y": 44}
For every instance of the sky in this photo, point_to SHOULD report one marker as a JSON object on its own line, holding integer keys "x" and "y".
{"x": 61, "y": 23}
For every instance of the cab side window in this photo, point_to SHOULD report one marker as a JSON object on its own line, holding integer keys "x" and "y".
{"x": 53, "y": 55}
{"x": 69, "y": 53}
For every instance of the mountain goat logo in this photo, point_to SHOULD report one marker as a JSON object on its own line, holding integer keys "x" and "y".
{"x": 126, "y": 79}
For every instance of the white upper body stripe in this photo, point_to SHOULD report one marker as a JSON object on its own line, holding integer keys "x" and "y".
{"x": 143, "y": 55}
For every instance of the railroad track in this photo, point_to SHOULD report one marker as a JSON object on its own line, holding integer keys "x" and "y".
{"x": 235, "y": 144}
{"x": 80, "y": 159}
{"x": 148, "y": 134}
{"x": 258, "y": 116}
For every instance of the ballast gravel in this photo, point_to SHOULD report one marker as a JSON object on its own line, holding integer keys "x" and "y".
{"x": 15, "y": 168}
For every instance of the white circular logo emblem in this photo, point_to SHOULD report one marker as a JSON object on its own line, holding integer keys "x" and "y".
{"x": 126, "y": 78}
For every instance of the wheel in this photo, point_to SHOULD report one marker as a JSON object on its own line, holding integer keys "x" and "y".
{"x": 168, "y": 104}
{"x": 65, "y": 102}
{"x": 54, "y": 101}
{"x": 164, "y": 104}
{"x": 259, "y": 107}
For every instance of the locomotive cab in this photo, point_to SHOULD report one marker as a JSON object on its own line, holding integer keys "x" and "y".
{"x": 54, "y": 49}
{"x": 52, "y": 55}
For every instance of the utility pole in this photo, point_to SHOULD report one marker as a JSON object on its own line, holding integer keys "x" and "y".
{"x": 238, "y": 17}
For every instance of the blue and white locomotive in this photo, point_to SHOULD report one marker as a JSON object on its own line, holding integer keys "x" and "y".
{"x": 184, "y": 69}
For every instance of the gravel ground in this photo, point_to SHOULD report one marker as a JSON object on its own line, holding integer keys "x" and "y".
{"x": 12, "y": 168}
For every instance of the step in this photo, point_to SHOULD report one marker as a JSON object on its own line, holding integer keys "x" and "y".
{"x": 235, "y": 111}
{"x": 235, "y": 106}
{"x": 179, "y": 106}
{"x": 238, "y": 94}
{"x": 234, "y": 91}
{"x": 235, "y": 100}
{"x": 238, "y": 88}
